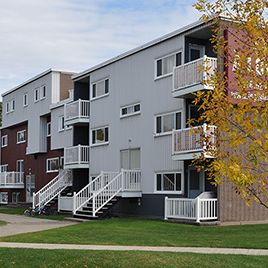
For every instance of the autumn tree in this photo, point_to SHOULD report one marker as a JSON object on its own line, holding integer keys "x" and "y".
{"x": 238, "y": 105}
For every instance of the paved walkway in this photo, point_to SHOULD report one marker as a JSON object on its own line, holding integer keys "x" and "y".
{"x": 236, "y": 251}
{"x": 21, "y": 224}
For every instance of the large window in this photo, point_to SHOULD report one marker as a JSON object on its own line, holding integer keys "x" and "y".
{"x": 53, "y": 164}
{"x": 4, "y": 141}
{"x": 169, "y": 182}
{"x": 165, "y": 65}
{"x": 21, "y": 136}
{"x": 100, "y": 88}
{"x": 129, "y": 110}
{"x": 100, "y": 136}
{"x": 165, "y": 123}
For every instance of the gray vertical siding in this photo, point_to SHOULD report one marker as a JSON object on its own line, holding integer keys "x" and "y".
{"x": 131, "y": 81}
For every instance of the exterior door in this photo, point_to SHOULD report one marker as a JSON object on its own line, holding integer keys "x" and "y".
{"x": 30, "y": 188}
{"x": 195, "y": 182}
{"x": 130, "y": 158}
{"x": 196, "y": 51}
{"x": 19, "y": 168}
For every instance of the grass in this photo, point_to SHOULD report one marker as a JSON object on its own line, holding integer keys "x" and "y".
{"x": 20, "y": 211}
{"x": 150, "y": 233}
{"x": 2, "y": 223}
{"x": 33, "y": 258}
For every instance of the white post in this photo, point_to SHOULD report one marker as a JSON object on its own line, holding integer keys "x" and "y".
{"x": 33, "y": 200}
{"x": 79, "y": 108}
{"x": 93, "y": 205}
{"x": 122, "y": 179}
{"x": 74, "y": 202}
{"x": 79, "y": 154}
{"x": 165, "y": 208}
{"x": 59, "y": 202}
{"x": 197, "y": 209}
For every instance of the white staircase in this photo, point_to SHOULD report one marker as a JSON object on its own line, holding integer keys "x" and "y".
{"x": 98, "y": 195}
{"x": 52, "y": 189}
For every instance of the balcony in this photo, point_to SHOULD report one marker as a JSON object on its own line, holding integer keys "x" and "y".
{"x": 77, "y": 112}
{"x": 76, "y": 157}
{"x": 192, "y": 76}
{"x": 190, "y": 143}
{"x": 12, "y": 180}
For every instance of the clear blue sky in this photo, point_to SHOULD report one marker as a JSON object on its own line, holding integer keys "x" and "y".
{"x": 77, "y": 34}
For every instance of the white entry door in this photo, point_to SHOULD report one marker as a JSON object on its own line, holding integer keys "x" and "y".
{"x": 130, "y": 158}
{"x": 195, "y": 182}
{"x": 30, "y": 188}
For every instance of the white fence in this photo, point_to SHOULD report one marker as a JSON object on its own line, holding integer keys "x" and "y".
{"x": 131, "y": 180}
{"x": 195, "y": 139}
{"x": 191, "y": 209}
{"x": 76, "y": 155}
{"x": 11, "y": 178}
{"x": 193, "y": 72}
{"x": 78, "y": 109}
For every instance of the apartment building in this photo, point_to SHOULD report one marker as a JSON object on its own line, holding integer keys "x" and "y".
{"x": 128, "y": 148}
{"x": 33, "y": 134}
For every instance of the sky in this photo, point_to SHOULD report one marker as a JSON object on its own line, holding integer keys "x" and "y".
{"x": 74, "y": 35}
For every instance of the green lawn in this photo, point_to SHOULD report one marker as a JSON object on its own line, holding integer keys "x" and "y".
{"x": 151, "y": 233}
{"x": 20, "y": 211}
{"x": 77, "y": 258}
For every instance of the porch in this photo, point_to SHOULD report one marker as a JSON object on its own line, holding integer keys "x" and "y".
{"x": 190, "y": 143}
{"x": 200, "y": 209}
{"x": 76, "y": 157}
{"x": 11, "y": 180}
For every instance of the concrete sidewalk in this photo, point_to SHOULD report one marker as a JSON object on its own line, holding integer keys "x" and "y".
{"x": 21, "y": 224}
{"x": 234, "y": 251}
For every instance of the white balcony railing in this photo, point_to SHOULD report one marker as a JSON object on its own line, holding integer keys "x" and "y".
{"x": 193, "y": 73}
{"x": 77, "y": 111}
{"x": 194, "y": 140}
{"x": 77, "y": 156}
{"x": 12, "y": 179}
{"x": 197, "y": 209}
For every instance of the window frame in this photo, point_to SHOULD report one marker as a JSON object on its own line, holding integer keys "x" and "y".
{"x": 36, "y": 90}
{"x": 49, "y": 128}
{"x": 97, "y": 82}
{"x": 162, "y": 115}
{"x": 156, "y": 77}
{"x": 10, "y": 106}
{"x": 181, "y": 192}
{"x": 60, "y": 122}
{"x": 43, "y": 89}
{"x": 2, "y": 138}
{"x": 132, "y": 113}
{"x": 47, "y": 165}
{"x": 25, "y": 97}
{"x": 101, "y": 143}
{"x": 4, "y": 168}
{"x": 18, "y": 133}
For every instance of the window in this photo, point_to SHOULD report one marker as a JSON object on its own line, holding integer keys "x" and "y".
{"x": 48, "y": 129}
{"x": 10, "y": 106}
{"x": 4, "y": 141}
{"x": 165, "y": 123}
{"x": 36, "y": 95}
{"x": 165, "y": 65}
{"x": 169, "y": 182}
{"x": 52, "y": 164}
{"x": 21, "y": 136}
{"x": 25, "y": 100}
{"x": 61, "y": 123}
{"x": 100, "y": 88}
{"x": 130, "y": 110}
{"x": 43, "y": 92}
{"x": 100, "y": 136}
{"x": 4, "y": 168}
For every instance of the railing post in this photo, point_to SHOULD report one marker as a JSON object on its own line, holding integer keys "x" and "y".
{"x": 74, "y": 202}
{"x": 33, "y": 205}
{"x": 79, "y": 153}
{"x": 94, "y": 205}
{"x": 79, "y": 108}
{"x": 197, "y": 209}
{"x": 58, "y": 202}
{"x": 165, "y": 208}
{"x": 122, "y": 179}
